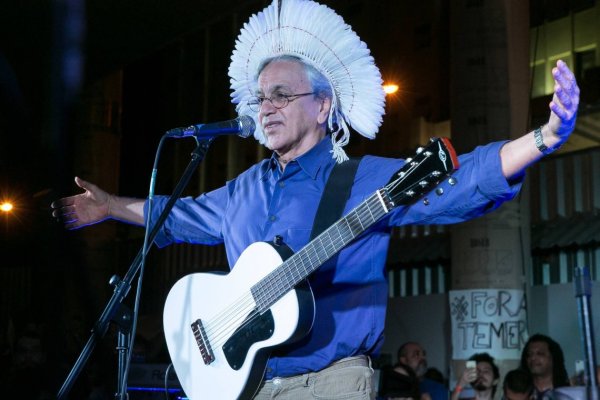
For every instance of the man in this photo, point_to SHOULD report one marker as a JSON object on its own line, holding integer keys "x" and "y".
{"x": 518, "y": 385}
{"x": 413, "y": 356}
{"x": 543, "y": 358}
{"x": 483, "y": 378}
{"x": 400, "y": 383}
{"x": 281, "y": 60}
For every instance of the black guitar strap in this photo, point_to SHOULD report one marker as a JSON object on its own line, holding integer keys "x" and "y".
{"x": 336, "y": 194}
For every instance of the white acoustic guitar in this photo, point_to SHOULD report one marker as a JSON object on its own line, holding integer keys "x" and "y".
{"x": 219, "y": 328}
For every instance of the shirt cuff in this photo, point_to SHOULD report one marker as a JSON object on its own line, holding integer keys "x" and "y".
{"x": 492, "y": 183}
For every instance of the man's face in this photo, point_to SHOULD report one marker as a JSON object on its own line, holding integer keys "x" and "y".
{"x": 539, "y": 359}
{"x": 510, "y": 395}
{"x": 294, "y": 129}
{"x": 416, "y": 358}
{"x": 485, "y": 376}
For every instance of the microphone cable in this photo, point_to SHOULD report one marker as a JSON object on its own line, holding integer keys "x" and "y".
{"x": 138, "y": 293}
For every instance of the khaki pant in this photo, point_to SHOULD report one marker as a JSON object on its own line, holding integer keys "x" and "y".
{"x": 349, "y": 379}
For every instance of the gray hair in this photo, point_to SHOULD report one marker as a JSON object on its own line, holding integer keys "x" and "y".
{"x": 319, "y": 83}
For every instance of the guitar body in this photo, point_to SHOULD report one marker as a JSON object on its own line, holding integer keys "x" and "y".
{"x": 238, "y": 337}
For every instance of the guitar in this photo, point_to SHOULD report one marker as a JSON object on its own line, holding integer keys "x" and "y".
{"x": 219, "y": 328}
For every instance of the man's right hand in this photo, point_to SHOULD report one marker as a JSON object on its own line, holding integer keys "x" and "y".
{"x": 87, "y": 208}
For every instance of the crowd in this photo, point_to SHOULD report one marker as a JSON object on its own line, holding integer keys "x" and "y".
{"x": 541, "y": 375}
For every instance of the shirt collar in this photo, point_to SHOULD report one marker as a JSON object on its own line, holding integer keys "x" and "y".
{"x": 311, "y": 161}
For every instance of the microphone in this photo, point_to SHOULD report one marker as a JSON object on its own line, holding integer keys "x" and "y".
{"x": 242, "y": 126}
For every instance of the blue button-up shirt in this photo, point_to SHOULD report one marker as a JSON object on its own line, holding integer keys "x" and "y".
{"x": 350, "y": 296}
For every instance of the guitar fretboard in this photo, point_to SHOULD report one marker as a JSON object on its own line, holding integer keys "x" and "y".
{"x": 299, "y": 266}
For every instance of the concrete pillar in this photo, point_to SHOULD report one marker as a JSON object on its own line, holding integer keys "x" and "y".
{"x": 489, "y": 102}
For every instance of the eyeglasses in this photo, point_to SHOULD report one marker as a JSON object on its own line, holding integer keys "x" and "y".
{"x": 278, "y": 100}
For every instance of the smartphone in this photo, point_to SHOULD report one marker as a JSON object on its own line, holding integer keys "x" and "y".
{"x": 471, "y": 364}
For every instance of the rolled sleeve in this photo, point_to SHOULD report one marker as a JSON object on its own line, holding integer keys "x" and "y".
{"x": 487, "y": 166}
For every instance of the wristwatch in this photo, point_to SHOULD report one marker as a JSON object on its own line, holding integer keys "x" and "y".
{"x": 539, "y": 142}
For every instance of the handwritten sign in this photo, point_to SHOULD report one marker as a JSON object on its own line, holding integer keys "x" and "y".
{"x": 488, "y": 320}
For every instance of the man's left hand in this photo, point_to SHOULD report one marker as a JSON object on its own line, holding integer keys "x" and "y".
{"x": 564, "y": 103}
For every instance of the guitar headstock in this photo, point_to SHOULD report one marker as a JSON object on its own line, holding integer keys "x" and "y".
{"x": 423, "y": 172}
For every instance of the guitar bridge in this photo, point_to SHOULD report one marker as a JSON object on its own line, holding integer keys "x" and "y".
{"x": 202, "y": 341}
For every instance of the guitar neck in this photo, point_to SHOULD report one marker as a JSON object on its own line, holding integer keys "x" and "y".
{"x": 303, "y": 263}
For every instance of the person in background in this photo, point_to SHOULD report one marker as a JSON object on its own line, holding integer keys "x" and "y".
{"x": 413, "y": 355}
{"x": 543, "y": 358}
{"x": 400, "y": 383}
{"x": 518, "y": 385}
{"x": 435, "y": 375}
{"x": 483, "y": 378}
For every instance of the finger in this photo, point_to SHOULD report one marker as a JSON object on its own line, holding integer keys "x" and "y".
{"x": 566, "y": 71}
{"x": 562, "y": 79}
{"x": 65, "y": 201}
{"x": 564, "y": 99}
{"x": 559, "y": 111}
{"x": 85, "y": 185}
{"x": 67, "y": 218}
{"x": 63, "y": 211}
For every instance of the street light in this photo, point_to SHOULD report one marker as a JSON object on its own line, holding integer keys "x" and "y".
{"x": 6, "y": 207}
{"x": 390, "y": 88}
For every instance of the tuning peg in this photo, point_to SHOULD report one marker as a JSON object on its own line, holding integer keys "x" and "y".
{"x": 439, "y": 191}
{"x": 423, "y": 184}
{"x": 408, "y": 160}
{"x": 420, "y": 150}
{"x": 410, "y": 193}
{"x": 452, "y": 181}
{"x": 401, "y": 174}
{"x": 426, "y": 201}
{"x": 436, "y": 173}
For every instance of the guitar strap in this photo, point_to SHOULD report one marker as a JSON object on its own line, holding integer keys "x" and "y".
{"x": 336, "y": 194}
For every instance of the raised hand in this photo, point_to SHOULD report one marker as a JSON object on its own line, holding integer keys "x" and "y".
{"x": 564, "y": 103}
{"x": 90, "y": 207}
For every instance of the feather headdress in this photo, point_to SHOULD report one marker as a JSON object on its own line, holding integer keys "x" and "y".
{"x": 320, "y": 37}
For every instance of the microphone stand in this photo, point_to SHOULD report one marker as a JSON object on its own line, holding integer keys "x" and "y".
{"x": 583, "y": 293}
{"x": 114, "y": 310}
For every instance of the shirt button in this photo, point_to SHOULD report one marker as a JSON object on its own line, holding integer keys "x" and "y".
{"x": 272, "y": 218}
